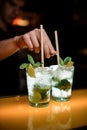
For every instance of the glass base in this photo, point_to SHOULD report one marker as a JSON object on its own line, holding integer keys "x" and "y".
{"x": 61, "y": 99}
{"x": 39, "y": 104}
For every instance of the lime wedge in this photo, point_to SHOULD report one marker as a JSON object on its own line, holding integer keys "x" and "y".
{"x": 31, "y": 71}
{"x": 70, "y": 63}
{"x": 36, "y": 97}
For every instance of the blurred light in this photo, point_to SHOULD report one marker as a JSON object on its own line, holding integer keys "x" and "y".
{"x": 83, "y": 51}
{"x": 20, "y": 22}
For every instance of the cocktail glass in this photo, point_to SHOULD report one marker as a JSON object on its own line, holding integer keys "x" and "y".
{"x": 39, "y": 87}
{"x": 62, "y": 81}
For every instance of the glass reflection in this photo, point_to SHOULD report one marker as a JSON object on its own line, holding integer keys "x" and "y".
{"x": 55, "y": 116}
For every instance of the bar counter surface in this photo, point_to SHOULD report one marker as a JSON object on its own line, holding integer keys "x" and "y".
{"x": 17, "y": 114}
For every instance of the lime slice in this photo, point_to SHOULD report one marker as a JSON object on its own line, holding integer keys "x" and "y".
{"x": 36, "y": 97}
{"x": 31, "y": 71}
{"x": 70, "y": 63}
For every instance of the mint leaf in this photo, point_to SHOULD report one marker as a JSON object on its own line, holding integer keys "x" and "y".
{"x": 30, "y": 59}
{"x": 64, "y": 84}
{"x": 23, "y": 65}
{"x": 61, "y": 61}
{"x": 67, "y": 59}
{"x": 37, "y": 64}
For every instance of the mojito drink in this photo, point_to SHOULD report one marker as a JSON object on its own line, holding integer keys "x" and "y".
{"x": 62, "y": 82}
{"x": 39, "y": 87}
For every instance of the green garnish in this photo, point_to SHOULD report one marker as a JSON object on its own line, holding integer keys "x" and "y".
{"x": 36, "y": 97}
{"x": 67, "y": 61}
{"x": 43, "y": 91}
{"x": 30, "y": 66}
{"x": 31, "y": 61}
{"x": 64, "y": 84}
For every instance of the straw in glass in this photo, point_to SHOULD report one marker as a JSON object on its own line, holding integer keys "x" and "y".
{"x": 42, "y": 50}
{"x": 57, "y": 46}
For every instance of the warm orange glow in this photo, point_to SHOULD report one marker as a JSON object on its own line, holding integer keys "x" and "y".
{"x": 20, "y": 22}
{"x": 16, "y": 113}
{"x": 83, "y": 51}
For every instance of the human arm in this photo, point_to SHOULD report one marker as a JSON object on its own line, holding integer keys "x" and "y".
{"x": 30, "y": 40}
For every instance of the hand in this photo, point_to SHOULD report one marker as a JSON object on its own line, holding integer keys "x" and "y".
{"x": 32, "y": 39}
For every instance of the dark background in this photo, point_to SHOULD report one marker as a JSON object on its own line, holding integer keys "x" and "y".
{"x": 69, "y": 18}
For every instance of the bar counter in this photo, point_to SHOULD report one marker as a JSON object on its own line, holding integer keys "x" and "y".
{"x": 17, "y": 114}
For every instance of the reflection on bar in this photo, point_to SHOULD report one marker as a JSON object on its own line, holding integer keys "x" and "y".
{"x": 16, "y": 113}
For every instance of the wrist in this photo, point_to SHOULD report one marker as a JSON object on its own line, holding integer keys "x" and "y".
{"x": 19, "y": 42}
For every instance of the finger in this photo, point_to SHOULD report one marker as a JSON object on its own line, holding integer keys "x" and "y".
{"x": 35, "y": 41}
{"x": 28, "y": 41}
{"x": 51, "y": 50}
{"x": 49, "y": 44}
{"x": 47, "y": 51}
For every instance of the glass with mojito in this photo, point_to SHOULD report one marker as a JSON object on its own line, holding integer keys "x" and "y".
{"x": 62, "y": 80}
{"x": 38, "y": 83}
{"x": 39, "y": 87}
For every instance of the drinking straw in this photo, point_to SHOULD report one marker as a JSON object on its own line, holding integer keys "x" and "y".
{"x": 57, "y": 46}
{"x": 42, "y": 50}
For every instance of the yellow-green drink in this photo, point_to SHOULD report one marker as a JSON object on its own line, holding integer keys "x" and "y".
{"x": 39, "y": 87}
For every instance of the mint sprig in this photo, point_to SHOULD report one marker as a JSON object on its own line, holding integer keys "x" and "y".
{"x": 66, "y": 61}
{"x": 31, "y": 61}
{"x": 63, "y": 84}
{"x": 23, "y": 66}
